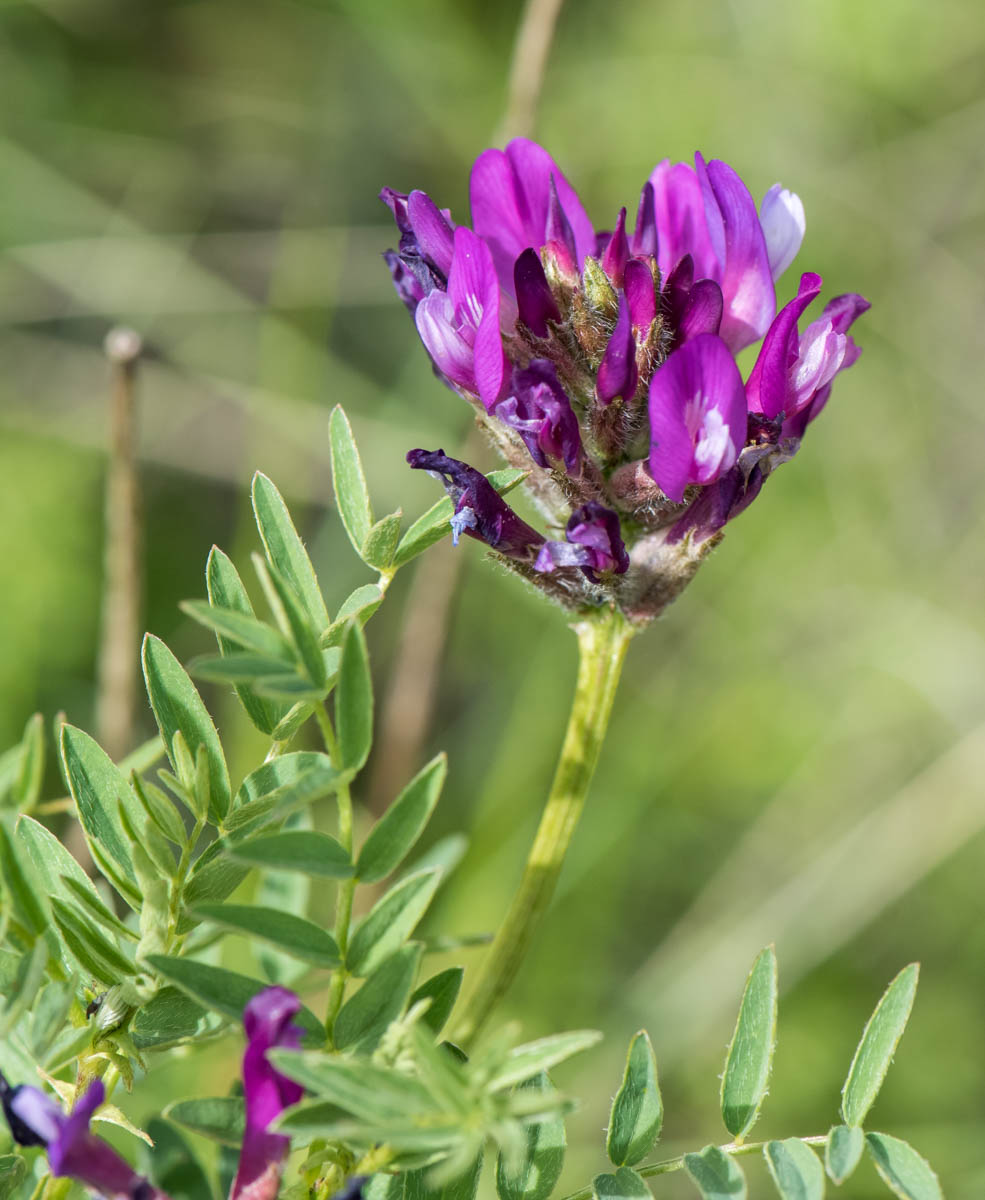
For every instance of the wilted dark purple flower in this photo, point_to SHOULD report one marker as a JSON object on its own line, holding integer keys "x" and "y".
{"x": 593, "y": 543}
{"x": 479, "y": 510}
{"x": 538, "y": 409}
{"x": 73, "y": 1152}
{"x": 426, "y": 245}
{"x": 266, "y": 1092}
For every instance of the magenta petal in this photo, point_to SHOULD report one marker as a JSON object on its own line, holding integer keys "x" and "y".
{"x": 697, "y": 415}
{"x": 434, "y": 234}
{"x": 534, "y": 299}
{"x": 473, "y": 289}
{"x": 644, "y": 240}
{"x": 496, "y": 214}
{"x": 747, "y": 282}
{"x": 702, "y": 310}
{"x": 450, "y": 351}
{"x": 842, "y": 311}
{"x": 617, "y": 374}
{"x": 535, "y": 169}
{"x": 768, "y": 389}
{"x": 641, "y": 294}
{"x": 682, "y": 226}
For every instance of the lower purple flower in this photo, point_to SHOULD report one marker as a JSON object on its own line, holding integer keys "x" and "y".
{"x": 266, "y": 1092}
{"x": 593, "y": 543}
{"x": 73, "y": 1152}
{"x": 540, "y": 411}
{"x": 479, "y": 509}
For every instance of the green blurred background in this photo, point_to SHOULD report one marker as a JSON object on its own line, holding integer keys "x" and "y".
{"x": 798, "y": 747}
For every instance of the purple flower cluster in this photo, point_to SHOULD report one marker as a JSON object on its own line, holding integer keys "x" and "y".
{"x": 604, "y": 363}
{"x": 35, "y": 1119}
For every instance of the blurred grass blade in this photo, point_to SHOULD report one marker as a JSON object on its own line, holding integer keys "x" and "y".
{"x": 795, "y": 1169}
{"x": 878, "y": 1045}
{"x": 905, "y": 1172}
{"x": 750, "y": 1054}
{"x": 637, "y": 1110}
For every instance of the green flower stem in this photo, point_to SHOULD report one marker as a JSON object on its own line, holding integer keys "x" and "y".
{"x": 347, "y": 888}
{"x": 602, "y": 640}
{"x": 735, "y": 1149}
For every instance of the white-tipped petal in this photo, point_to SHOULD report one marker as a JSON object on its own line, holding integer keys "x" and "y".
{"x": 782, "y": 217}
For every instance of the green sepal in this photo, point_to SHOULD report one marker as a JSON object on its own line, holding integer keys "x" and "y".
{"x": 637, "y": 1110}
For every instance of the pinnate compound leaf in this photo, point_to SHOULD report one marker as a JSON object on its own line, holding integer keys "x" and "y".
{"x": 171, "y": 1165}
{"x": 219, "y": 1118}
{"x": 878, "y": 1045}
{"x": 394, "y": 835}
{"x": 349, "y": 481}
{"x": 364, "y": 1017}
{"x": 13, "y": 1170}
{"x": 354, "y": 701}
{"x": 750, "y": 1054}
{"x": 534, "y": 1057}
{"x": 906, "y": 1173}
{"x": 442, "y": 990}
{"x": 543, "y": 1156}
{"x": 637, "y": 1110}
{"x": 625, "y": 1184}
{"x": 226, "y": 591}
{"x": 391, "y": 921}
{"x": 293, "y": 935}
{"x": 285, "y": 550}
{"x": 842, "y": 1151}
{"x": 795, "y": 1169}
{"x": 295, "y": 850}
{"x": 430, "y": 528}
{"x": 716, "y": 1175}
{"x": 178, "y": 708}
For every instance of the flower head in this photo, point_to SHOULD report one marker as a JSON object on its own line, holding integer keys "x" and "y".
{"x": 603, "y": 363}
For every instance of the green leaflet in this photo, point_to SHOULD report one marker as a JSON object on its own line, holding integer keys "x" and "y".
{"x": 381, "y": 999}
{"x": 795, "y": 1169}
{"x": 637, "y": 1111}
{"x": 878, "y": 1045}
{"x": 294, "y": 850}
{"x": 541, "y": 1055}
{"x": 842, "y": 1151}
{"x": 219, "y": 1118}
{"x": 626, "y": 1184}
{"x": 716, "y": 1175}
{"x": 285, "y": 550}
{"x": 905, "y": 1172}
{"x": 535, "y": 1176}
{"x": 168, "y": 1017}
{"x": 354, "y": 701}
{"x": 391, "y": 921}
{"x": 293, "y": 935}
{"x": 394, "y": 835}
{"x": 178, "y": 708}
{"x": 172, "y": 1166}
{"x": 349, "y": 481}
{"x": 442, "y": 991}
{"x": 750, "y": 1054}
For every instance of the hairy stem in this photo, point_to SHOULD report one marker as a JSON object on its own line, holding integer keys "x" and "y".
{"x": 602, "y": 640}
{"x": 347, "y": 887}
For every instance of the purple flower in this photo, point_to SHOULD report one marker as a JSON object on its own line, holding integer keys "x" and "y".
{"x": 593, "y": 544}
{"x": 461, "y": 326}
{"x": 36, "y": 1120}
{"x": 709, "y": 214}
{"x": 520, "y": 198}
{"x": 268, "y": 1025}
{"x": 479, "y": 510}
{"x": 697, "y": 415}
{"x": 793, "y": 373}
{"x": 426, "y": 245}
{"x": 534, "y": 299}
{"x": 540, "y": 411}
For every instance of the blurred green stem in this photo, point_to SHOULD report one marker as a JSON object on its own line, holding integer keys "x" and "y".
{"x": 347, "y": 887}
{"x": 602, "y": 641}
